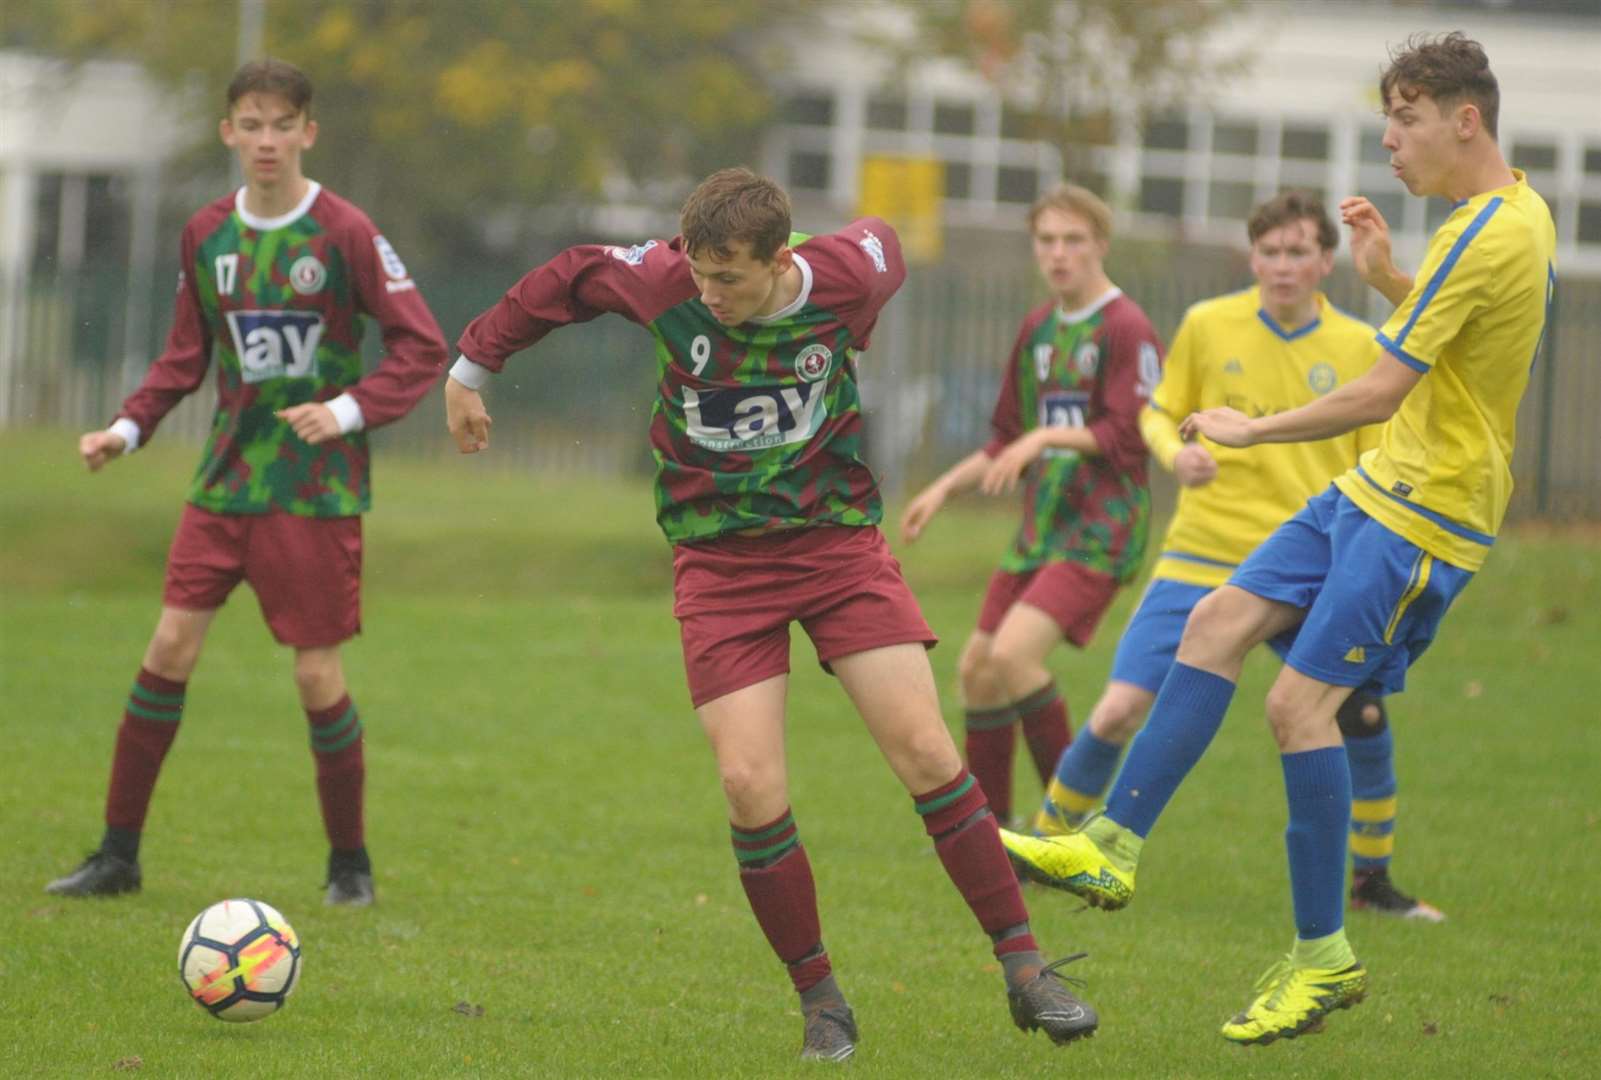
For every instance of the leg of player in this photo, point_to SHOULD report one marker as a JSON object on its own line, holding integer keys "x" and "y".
{"x": 990, "y": 723}
{"x": 337, "y": 747}
{"x": 1321, "y": 973}
{"x": 149, "y": 724}
{"x": 1086, "y": 767}
{"x": 746, "y": 731}
{"x": 1026, "y": 636}
{"x": 1370, "y": 749}
{"x": 1098, "y": 863}
{"x": 893, "y": 689}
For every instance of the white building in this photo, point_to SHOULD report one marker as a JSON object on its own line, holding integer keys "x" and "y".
{"x": 1305, "y": 114}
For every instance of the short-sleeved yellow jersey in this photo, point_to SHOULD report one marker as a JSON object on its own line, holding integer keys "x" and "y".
{"x": 1229, "y": 351}
{"x": 1441, "y": 475}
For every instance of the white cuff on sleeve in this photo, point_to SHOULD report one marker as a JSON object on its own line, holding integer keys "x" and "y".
{"x": 348, "y": 413}
{"x": 472, "y": 376}
{"x": 129, "y": 432}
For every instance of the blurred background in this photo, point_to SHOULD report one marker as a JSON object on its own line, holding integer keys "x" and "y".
{"x": 484, "y": 135}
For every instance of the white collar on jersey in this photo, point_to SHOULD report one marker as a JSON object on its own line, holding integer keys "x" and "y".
{"x": 796, "y": 304}
{"x": 1089, "y": 309}
{"x": 262, "y": 224}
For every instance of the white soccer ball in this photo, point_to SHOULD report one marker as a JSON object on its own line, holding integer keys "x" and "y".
{"x": 239, "y": 960}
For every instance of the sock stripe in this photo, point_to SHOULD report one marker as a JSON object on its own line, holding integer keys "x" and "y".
{"x": 151, "y": 697}
{"x": 752, "y": 836}
{"x": 1038, "y": 699}
{"x": 989, "y": 719}
{"x": 1059, "y": 796}
{"x": 323, "y": 746}
{"x": 1373, "y": 811}
{"x": 164, "y": 716}
{"x": 1372, "y": 847}
{"x": 329, "y": 738}
{"x": 939, "y": 802}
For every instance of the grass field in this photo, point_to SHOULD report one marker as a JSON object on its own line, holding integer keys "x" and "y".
{"x": 552, "y": 849}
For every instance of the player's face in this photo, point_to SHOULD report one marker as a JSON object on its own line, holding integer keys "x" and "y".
{"x": 1422, "y": 140}
{"x": 740, "y": 286}
{"x": 1068, "y": 252}
{"x": 1289, "y": 265}
{"x": 269, "y": 136}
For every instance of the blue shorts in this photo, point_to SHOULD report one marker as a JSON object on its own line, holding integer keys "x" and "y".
{"x": 1151, "y": 640}
{"x": 1373, "y": 600}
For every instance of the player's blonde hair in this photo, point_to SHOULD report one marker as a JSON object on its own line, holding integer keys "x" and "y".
{"x": 1075, "y": 200}
{"x": 731, "y": 206}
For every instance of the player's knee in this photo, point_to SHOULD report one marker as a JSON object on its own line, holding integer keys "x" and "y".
{"x": 976, "y": 669}
{"x": 1285, "y": 716}
{"x": 1362, "y": 715}
{"x": 172, "y": 651}
{"x": 747, "y": 785}
{"x": 317, "y": 675}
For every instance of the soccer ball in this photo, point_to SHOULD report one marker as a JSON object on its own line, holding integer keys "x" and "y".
{"x": 239, "y": 960}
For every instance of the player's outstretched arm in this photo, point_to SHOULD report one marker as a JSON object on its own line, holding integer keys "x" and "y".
{"x": 466, "y": 417}
{"x": 928, "y": 502}
{"x": 1370, "y": 398}
{"x": 1370, "y": 248}
{"x": 98, "y": 447}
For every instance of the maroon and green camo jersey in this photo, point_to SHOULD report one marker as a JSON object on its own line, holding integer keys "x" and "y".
{"x": 756, "y": 426}
{"x": 281, "y": 302}
{"x": 1093, "y": 369}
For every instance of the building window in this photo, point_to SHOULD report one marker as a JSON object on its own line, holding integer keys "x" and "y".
{"x": 1592, "y": 161}
{"x": 1392, "y": 204}
{"x": 886, "y": 113}
{"x": 1018, "y": 125}
{"x": 1590, "y": 223}
{"x": 1234, "y": 136}
{"x": 1161, "y": 195}
{"x": 1167, "y": 132}
{"x": 1305, "y": 143}
{"x": 1017, "y": 185}
{"x": 814, "y": 110}
{"x": 1371, "y": 145}
{"x": 1230, "y": 200}
{"x": 954, "y": 118}
{"x": 1534, "y": 156}
{"x": 958, "y": 180}
{"x": 808, "y": 169}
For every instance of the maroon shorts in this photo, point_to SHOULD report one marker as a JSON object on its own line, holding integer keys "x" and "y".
{"x": 735, "y": 597}
{"x": 1069, "y": 592}
{"x": 306, "y": 571}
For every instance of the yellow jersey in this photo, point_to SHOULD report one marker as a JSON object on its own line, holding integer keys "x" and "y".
{"x": 1230, "y": 352}
{"x": 1441, "y": 475}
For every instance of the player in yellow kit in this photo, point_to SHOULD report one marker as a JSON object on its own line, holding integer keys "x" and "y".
{"x": 1263, "y": 350}
{"x": 1351, "y": 590}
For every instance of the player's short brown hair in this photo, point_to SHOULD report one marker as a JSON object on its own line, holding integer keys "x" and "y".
{"x": 731, "y": 206}
{"x": 276, "y": 77}
{"x": 1075, "y": 200}
{"x": 1451, "y": 69}
{"x": 1290, "y": 206}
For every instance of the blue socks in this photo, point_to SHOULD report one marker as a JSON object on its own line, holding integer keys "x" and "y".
{"x": 1188, "y": 711}
{"x": 1317, "y": 784}
{"x": 1372, "y": 759}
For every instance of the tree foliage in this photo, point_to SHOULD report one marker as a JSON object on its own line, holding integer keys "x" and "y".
{"x": 434, "y": 114}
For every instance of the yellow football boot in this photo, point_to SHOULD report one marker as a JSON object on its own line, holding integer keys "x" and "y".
{"x": 1292, "y": 1001}
{"x": 1072, "y": 863}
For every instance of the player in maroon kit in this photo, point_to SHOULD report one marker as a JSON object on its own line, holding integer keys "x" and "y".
{"x": 1082, "y": 366}
{"x": 773, "y": 516}
{"x": 275, "y": 277}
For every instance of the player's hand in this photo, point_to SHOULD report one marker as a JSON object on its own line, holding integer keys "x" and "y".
{"x": 98, "y": 447}
{"x": 921, "y": 510}
{"x": 313, "y": 421}
{"x": 1227, "y": 427}
{"x": 1194, "y": 465}
{"x": 466, "y": 417}
{"x": 1370, "y": 239}
{"x": 1002, "y": 474}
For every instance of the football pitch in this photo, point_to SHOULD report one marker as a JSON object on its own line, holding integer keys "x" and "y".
{"x": 557, "y": 894}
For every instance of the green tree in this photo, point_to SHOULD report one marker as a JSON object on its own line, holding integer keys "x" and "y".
{"x": 1073, "y": 67}
{"x": 437, "y": 114}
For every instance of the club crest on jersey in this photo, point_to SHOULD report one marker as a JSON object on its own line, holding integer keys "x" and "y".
{"x": 1088, "y": 358}
{"x": 275, "y": 344}
{"x": 1043, "y": 354}
{"x": 875, "y": 250}
{"x": 747, "y": 418}
{"x": 1322, "y": 378}
{"x": 633, "y": 256}
{"x": 812, "y": 362}
{"x": 308, "y": 275}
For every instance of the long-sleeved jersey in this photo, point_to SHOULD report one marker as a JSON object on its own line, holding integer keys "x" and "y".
{"x": 1092, "y": 369}
{"x": 755, "y": 426}
{"x": 280, "y": 302}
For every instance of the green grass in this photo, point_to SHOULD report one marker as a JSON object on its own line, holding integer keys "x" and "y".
{"x": 552, "y": 846}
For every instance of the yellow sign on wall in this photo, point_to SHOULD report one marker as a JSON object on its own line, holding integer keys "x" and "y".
{"x": 909, "y": 194}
